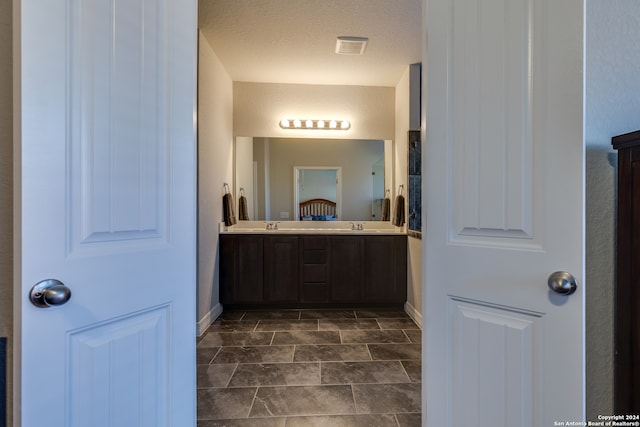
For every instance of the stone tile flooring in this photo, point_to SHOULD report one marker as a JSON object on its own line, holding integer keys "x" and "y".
{"x": 284, "y": 368}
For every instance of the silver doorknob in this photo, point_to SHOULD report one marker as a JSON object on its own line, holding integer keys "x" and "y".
{"x": 49, "y": 292}
{"x": 562, "y": 283}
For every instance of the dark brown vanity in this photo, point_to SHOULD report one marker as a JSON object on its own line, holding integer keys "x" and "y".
{"x": 313, "y": 269}
{"x": 627, "y": 291}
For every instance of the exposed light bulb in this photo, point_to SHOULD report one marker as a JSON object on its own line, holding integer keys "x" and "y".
{"x": 315, "y": 124}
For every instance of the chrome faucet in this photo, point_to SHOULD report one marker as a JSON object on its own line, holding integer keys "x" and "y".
{"x": 272, "y": 225}
{"x": 357, "y": 226}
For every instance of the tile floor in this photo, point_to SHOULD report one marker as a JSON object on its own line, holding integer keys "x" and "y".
{"x": 338, "y": 368}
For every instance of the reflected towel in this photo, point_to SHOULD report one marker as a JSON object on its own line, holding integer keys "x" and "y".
{"x": 399, "y": 214}
{"x": 386, "y": 209}
{"x": 227, "y": 208}
{"x": 243, "y": 212}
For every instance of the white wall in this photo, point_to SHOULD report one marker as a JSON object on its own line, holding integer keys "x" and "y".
{"x": 6, "y": 184}
{"x": 414, "y": 252}
{"x": 612, "y": 108}
{"x": 215, "y": 160}
{"x": 259, "y": 107}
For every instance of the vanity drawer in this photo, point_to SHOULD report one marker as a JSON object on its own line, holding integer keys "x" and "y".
{"x": 315, "y": 242}
{"x": 314, "y": 273}
{"x": 314, "y": 256}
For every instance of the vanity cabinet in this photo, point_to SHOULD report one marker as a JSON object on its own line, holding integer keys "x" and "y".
{"x": 627, "y": 291}
{"x": 370, "y": 269}
{"x": 241, "y": 263}
{"x": 347, "y": 265}
{"x": 312, "y": 270}
{"x": 383, "y": 279}
{"x": 280, "y": 269}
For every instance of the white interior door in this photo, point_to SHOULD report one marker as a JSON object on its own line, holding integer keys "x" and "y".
{"x": 504, "y": 201}
{"x": 107, "y": 181}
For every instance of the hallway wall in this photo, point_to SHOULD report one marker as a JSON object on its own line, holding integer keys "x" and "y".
{"x": 414, "y": 249}
{"x": 6, "y": 185}
{"x": 215, "y": 167}
{"x": 612, "y": 108}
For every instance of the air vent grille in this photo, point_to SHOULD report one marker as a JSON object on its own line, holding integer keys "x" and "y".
{"x": 351, "y": 45}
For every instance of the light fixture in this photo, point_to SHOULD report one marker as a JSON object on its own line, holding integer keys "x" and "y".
{"x": 310, "y": 124}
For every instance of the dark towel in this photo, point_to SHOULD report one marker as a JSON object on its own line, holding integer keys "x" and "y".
{"x": 243, "y": 214}
{"x": 398, "y": 214}
{"x": 386, "y": 209}
{"x": 227, "y": 208}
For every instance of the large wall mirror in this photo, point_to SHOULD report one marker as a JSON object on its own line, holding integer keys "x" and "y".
{"x": 265, "y": 170}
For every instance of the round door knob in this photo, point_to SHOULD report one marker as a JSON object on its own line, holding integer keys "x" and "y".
{"x": 562, "y": 283}
{"x": 49, "y": 292}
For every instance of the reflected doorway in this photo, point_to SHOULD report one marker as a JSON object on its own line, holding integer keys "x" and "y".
{"x": 317, "y": 182}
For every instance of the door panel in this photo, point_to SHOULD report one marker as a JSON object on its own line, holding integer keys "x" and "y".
{"x": 492, "y": 158}
{"x": 346, "y": 263}
{"x": 504, "y": 201}
{"x": 101, "y": 359}
{"x": 490, "y": 380}
{"x": 118, "y": 178}
{"x": 107, "y": 184}
{"x": 281, "y": 269}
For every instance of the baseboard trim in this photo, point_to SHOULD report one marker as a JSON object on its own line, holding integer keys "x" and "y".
{"x": 208, "y": 319}
{"x": 413, "y": 313}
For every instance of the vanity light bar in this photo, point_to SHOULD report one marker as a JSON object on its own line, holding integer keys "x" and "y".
{"x": 315, "y": 124}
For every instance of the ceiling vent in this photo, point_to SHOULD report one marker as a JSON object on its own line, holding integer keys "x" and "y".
{"x": 346, "y": 45}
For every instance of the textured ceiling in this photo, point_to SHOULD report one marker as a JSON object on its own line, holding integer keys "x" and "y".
{"x": 293, "y": 41}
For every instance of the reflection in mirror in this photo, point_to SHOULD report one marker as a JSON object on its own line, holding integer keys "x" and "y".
{"x": 317, "y": 192}
{"x": 264, "y": 168}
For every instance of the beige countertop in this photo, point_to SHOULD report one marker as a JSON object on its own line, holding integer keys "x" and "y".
{"x": 312, "y": 227}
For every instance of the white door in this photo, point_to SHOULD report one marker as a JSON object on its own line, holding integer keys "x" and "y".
{"x": 107, "y": 181}
{"x": 504, "y": 204}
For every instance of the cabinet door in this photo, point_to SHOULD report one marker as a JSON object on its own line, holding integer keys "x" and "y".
{"x": 346, "y": 268}
{"x": 241, "y": 269}
{"x": 627, "y": 339}
{"x": 281, "y": 268}
{"x": 385, "y": 269}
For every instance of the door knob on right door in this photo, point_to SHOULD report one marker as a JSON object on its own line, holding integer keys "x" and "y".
{"x": 562, "y": 283}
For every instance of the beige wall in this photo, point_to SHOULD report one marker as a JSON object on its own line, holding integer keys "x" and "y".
{"x": 259, "y": 107}
{"x": 414, "y": 252}
{"x": 6, "y": 181}
{"x": 215, "y": 159}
